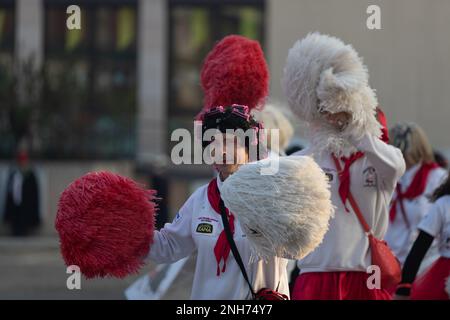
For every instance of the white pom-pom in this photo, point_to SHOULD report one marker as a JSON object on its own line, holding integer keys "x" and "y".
{"x": 284, "y": 214}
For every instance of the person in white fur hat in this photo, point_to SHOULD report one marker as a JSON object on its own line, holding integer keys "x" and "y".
{"x": 326, "y": 85}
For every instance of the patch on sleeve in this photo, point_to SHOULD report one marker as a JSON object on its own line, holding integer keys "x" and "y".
{"x": 330, "y": 174}
{"x": 370, "y": 177}
{"x": 177, "y": 217}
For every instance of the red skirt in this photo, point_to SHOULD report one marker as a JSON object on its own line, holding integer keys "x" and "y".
{"x": 349, "y": 285}
{"x": 431, "y": 285}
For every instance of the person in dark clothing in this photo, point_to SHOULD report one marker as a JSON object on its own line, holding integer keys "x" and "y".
{"x": 441, "y": 160}
{"x": 22, "y": 199}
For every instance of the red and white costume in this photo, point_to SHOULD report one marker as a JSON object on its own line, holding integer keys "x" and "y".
{"x": 345, "y": 252}
{"x": 408, "y": 210}
{"x": 431, "y": 285}
{"x": 323, "y": 75}
{"x": 184, "y": 236}
{"x": 198, "y": 225}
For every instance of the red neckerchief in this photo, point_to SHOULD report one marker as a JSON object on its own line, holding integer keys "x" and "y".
{"x": 222, "y": 248}
{"x": 415, "y": 189}
{"x": 344, "y": 176}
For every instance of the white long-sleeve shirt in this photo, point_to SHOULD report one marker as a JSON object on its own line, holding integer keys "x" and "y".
{"x": 373, "y": 178}
{"x": 401, "y": 238}
{"x": 437, "y": 224}
{"x": 197, "y": 227}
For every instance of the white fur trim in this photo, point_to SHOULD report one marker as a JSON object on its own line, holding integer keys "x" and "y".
{"x": 322, "y": 73}
{"x": 289, "y": 210}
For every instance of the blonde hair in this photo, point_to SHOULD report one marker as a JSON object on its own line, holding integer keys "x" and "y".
{"x": 273, "y": 117}
{"x": 413, "y": 142}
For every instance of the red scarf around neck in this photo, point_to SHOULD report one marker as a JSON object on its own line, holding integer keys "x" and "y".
{"x": 222, "y": 247}
{"x": 344, "y": 176}
{"x": 415, "y": 189}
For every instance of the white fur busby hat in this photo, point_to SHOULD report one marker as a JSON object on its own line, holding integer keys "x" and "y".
{"x": 284, "y": 214}
{"x": 324, "y": 74}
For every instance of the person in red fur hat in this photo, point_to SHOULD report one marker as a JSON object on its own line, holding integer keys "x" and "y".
{"x": 106, "y": 222}
{"x": 234, "y": 78}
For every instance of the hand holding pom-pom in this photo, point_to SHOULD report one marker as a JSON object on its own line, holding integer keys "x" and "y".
{"x": 105, "y": 223}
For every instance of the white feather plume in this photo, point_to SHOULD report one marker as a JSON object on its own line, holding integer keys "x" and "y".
{"x": 285, "y": 214}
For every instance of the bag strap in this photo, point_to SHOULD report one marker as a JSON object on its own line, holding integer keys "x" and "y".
{"x": 352, "y": 201}
{"x": 237, "y": 256}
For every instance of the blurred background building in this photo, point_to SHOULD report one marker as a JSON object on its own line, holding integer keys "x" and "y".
{"x": 109, "y": 95}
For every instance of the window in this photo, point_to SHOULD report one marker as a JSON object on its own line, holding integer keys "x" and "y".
{"x": 194, "y": 27}
{"x": 6, "y": 67}
{"x": 6, "y": 36}
{"x": 90, "y": 90}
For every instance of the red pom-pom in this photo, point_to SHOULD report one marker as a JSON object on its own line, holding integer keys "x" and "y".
{"x": 235, "y": 72}
{"x": 105, "y": 223}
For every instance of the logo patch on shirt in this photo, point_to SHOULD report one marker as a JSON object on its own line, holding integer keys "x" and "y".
{"x": 177, "y": 217}
{"x": 370, "y": 177}
{"x": 329, "y": 173}
{"x": 205, "y": 228}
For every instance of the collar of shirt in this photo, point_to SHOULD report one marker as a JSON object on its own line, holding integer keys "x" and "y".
{"x": 406, "y": 179}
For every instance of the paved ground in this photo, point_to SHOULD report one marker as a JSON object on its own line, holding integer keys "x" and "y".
{"x": 32, "y": 268}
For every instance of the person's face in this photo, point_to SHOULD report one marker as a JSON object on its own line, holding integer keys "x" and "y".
{"x": 230, "y": 155}
{"x": 338, "y": 120}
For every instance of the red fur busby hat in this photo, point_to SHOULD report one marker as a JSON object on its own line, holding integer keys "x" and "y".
{"x": 235, "y": 80}
{"x": 235, "y": 72}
